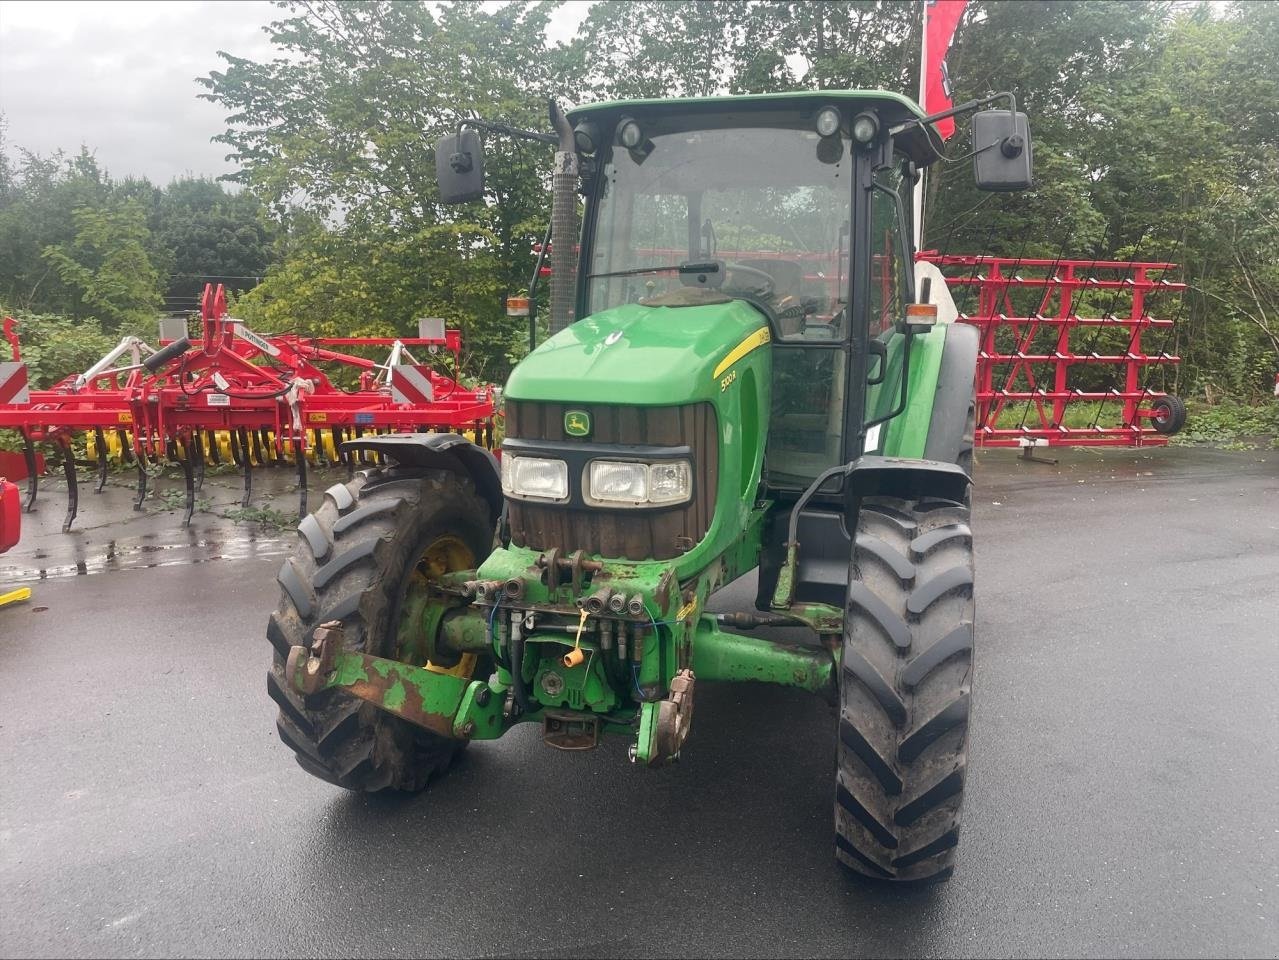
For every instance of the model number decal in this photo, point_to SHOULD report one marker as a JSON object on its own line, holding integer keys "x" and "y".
{"x": 727, "y": 381}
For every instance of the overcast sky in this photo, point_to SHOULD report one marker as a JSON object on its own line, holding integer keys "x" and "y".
{"x": 119, "y": 77}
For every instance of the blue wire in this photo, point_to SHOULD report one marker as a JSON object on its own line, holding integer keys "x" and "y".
{"x": 635, "y": 666}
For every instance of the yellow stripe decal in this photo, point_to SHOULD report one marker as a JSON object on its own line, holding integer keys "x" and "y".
{"x": 756, "y": 339}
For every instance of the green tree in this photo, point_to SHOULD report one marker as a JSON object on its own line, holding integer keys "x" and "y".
{"x": 106, "y": 266}
{"x": 37, "y": 211}
{"x": 340, "y": 133}
{"x": 208, "y": 235}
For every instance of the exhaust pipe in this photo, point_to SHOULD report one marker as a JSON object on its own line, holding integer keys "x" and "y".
{"x": 564, "y": 229}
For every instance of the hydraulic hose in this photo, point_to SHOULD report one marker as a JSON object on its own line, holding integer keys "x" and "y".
{"x": 517, "y": 664}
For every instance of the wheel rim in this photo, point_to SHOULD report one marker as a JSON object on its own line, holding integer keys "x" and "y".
{"x": 421, "y": 608}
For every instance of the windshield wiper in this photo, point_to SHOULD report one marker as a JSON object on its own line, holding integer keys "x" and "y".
{"x": 710, "y": 267}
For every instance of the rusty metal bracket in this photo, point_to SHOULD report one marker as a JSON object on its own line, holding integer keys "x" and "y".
{"x": 674, "y": 719}
{"x": 443, "y": 702}
{"x": 308, "y": 671}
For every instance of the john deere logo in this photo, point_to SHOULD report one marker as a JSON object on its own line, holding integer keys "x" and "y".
{"x": 577, "y": 423}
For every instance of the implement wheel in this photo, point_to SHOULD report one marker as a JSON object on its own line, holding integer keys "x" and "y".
{"x": 906, "y": 675}
{"x": 367, "y": 557}
{"x": 1170, "y": 414}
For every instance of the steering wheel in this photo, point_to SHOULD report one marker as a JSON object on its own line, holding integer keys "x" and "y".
{"x": 764, "y": 290}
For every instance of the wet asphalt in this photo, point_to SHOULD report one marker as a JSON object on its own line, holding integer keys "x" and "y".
{"x": 1123, "y": 793}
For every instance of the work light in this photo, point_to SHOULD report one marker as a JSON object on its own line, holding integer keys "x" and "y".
{"x": 865, "y": 128}
{"x": 629, "y": 133}
{"x": 587, "y": 136}
{"x": 827, "y": 121}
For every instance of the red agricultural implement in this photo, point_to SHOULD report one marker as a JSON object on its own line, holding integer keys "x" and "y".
{"x": 1062, "y": 333}
{"x": 233, "y": 394}
{"x": 10, "y": 521}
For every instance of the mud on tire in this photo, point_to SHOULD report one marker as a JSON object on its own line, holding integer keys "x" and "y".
{"x": 905, "y": 684}
{"x": 352, "y": 562}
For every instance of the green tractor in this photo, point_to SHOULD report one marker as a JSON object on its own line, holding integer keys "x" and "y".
{"x": 744, "y": 373}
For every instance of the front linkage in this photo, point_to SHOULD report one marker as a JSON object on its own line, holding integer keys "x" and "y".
{"x": 581, "y": 645}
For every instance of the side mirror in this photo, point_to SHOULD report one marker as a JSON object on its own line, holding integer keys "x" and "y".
{"x": 1001, "y": 141}
{"x": 459, "y": 167}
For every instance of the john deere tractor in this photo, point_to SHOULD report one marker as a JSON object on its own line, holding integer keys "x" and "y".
{"x": 745, "y": 372}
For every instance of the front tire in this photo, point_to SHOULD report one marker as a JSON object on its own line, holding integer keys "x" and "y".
{"x": 905, "y": 684}
{"x": 354, "y": 561}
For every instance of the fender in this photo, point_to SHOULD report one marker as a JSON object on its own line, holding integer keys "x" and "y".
{"x": 903, "y": 477}
{"x": 813, "y": 544}
{"x": 948, "y": 432}
{"x": 440, "y": 451}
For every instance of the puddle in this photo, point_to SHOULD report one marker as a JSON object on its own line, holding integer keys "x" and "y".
{"x": 109, "y": 535}
{"x": 142, "y": 556}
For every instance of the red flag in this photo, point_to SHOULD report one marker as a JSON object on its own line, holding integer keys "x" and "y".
{"x": 941, "y": 17}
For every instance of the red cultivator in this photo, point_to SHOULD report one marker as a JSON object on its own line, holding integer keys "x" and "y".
{"x": 1061, "y": 332}
{"x": 256, "y": 400}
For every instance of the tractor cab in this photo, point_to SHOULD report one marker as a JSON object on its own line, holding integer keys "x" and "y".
{"x": 798, "y": 205}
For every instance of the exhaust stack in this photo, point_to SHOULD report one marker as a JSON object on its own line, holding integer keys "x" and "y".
{"x": 564, "y": 228}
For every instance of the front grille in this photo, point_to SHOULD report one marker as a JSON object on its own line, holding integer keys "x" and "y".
{"x": 631, "y": 534}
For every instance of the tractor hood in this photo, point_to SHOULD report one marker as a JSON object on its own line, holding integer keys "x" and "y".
{"x": 641, "y": 354}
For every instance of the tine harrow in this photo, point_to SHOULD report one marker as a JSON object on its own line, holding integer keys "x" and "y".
{"x": 1031, "y": 314}
{"x": 234, "y": 396}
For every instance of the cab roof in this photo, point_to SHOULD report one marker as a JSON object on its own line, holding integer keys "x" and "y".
{"x": 919, "y": 142}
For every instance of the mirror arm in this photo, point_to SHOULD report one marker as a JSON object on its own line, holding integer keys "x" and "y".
{"x": 509, "y": 130}
{"x": 970, "y": 105}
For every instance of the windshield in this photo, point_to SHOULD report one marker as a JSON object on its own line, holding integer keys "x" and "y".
{"x": 761, "y": 212}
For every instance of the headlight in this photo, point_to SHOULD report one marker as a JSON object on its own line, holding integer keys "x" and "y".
{"x": 612, "y": 481}
{"x": 670, "y": 482}
{"x": 535, "y": 477}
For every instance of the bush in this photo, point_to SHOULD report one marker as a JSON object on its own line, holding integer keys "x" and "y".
{"x": 55, "y": 347}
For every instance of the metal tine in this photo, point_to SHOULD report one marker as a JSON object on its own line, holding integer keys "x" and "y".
{"x": 255, "y": 439}
{"x": 269, "y": 450}
{"x": 237, "y": 455}
{"x": 33, "y": 480}
{"x": 188, "y": 477}
{"x": 336, "y": 433}
{"x": 141, "y": 459}
{"x": 299, "y": 455}
{"x": 214, "y": 453}
{"x": 126, "y": 446}
{"x": 197, "y": 451}
{"x": 320, "y": 459}
{"x": 73, "y": 488}
{"x": 248, "y": 468}
{"x": 101, "y": 441}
